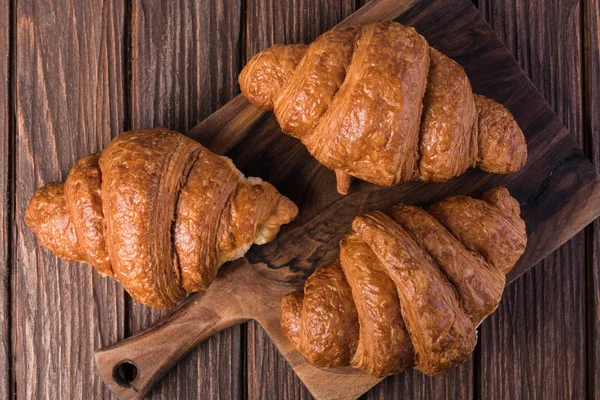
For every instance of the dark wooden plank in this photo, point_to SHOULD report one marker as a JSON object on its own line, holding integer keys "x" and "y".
{"x": 184, "y": 65}
{"x": 269, "y": 374}
{"x": 69, "y": 101}
{"x": 412, "y": 384}
{"x": 5, "y": 202}
{"x": 591, "y": 21}
{"x": 534, "y": 345}
{"x": 186, "y": 57}
{"x": 270, "y": 22}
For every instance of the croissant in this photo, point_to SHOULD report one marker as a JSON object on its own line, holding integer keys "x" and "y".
{"x": 377, "y": 103}
{"x": 158, "y": 212}
{"x": 409, "y": 288}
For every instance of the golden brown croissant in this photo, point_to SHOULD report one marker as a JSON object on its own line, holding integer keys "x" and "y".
{"x": 410, "y": 288}
{"x": 377, "y": 103}
{"x": 158, "y": 212}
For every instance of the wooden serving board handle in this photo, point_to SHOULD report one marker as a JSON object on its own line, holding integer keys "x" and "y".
{"x": 132, "y": 367}
{"x": 241, "y": 292}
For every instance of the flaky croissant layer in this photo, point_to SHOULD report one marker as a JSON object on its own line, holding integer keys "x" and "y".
{"x": 377, "y": 103}
{"x": 158, "y": 212}
{"x": 409, "y": 288}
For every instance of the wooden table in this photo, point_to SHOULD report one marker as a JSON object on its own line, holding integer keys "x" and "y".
{"x": 75, "y": 74}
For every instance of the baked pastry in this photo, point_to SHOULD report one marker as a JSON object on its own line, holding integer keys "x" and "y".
{"x": 410, "y": 287}
{"x": 158, "y": 212}
{"x": 377, "y": 103}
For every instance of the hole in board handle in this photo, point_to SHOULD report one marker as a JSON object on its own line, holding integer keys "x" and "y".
{"x": 124, "y": 373}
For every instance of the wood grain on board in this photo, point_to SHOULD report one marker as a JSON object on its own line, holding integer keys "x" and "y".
{"x": 591, "y": 118}
{"x": 5, "y": 200}
{"x": 185, "y": 58}
{"x": 534, "y": 345}
{"x": 69, "y": 102}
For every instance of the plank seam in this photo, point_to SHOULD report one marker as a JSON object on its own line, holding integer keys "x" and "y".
{"x": 11, "y": 195}
{"x": 477, "y": 354}
{"x": 589, "y": 311}
{"x": 244, "y": 361}
{"x": 588, "y": 148}
{"x": 127, "y": 117}
{"x": 243, "y": 34}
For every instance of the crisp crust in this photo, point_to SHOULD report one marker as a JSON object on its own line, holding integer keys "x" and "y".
{"x": 502, "y": 145}
{"x": 496, "y": 234}
{"x": 478, "y": 285}
{"x": 329, "y": 332}
{"x": 371, "y": 129}
{"x": 447, "y": 122}
{"x": 253, "y": 215}
{"x": 200, "y": 209}
{"x": 309, "y": 92}
{"x": 142, "y": 172}
{"x": 441, "y": 332}
{"x": 84, "y": 201}
{"x": 291, "y": 315}
{"x": 384, "y": 346}
{"x": 267, "y": 72}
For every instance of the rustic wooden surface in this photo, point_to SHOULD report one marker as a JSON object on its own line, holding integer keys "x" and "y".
{"x": 85, "y": 72}
{"x": 69, "y": 101}
{"x": 5, "y": 201}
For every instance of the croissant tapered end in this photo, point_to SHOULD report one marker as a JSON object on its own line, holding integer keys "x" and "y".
{"x": 343, "y": 181}
{"x": 158, "y": 212}
{"x": 48, "y": 217}
{"x": 502, "y": 145}
{"x": 326, "y": 332}
{"x": 281, "y": 211}
{"x": 67, "y": 218}
{"x": 268, "y": 71}
{"x": 291, "y": 315}
{"x": 420, "y": 281}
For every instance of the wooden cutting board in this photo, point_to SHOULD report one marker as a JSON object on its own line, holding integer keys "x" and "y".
{"x": 559, "y": 192}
